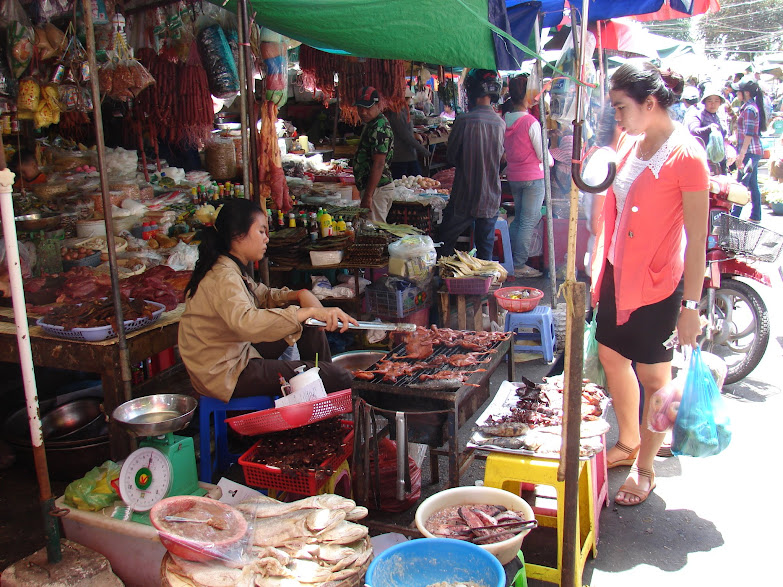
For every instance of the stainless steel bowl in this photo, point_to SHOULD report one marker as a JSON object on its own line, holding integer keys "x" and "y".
{"x": 154, "y": 415}
{"x": 69, "y": 419}
{"x": 358, "y": 360}
{"x": 42, "y": 221}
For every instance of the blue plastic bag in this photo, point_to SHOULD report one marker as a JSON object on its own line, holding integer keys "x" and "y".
{"x": 702, "y": 428}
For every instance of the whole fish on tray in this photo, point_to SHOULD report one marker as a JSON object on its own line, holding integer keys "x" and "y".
{"x": 504, "y": 429}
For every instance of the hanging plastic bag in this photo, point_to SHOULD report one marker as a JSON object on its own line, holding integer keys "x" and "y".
{"x": 591, "y": 366}
{"x": 217, "y": 58}
{"x": 20, "y": 37}
{"x": 563, "y": 94}
{"x": 715, "y": 151}
{"x": 702, "y": 428}
{"x": 664, "y": 406}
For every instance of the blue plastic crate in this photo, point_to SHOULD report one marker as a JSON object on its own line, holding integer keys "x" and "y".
{"x": 395, "y": 304}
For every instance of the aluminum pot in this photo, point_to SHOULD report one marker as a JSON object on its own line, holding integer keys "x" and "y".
{"x": 68, "y": 420}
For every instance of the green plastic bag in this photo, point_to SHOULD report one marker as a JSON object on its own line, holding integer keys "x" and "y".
{"x": 592, "y": 369}
{"x": 93, "y": 492}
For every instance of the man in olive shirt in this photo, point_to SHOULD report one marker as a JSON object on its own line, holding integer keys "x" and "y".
{"x": 375, "y": 152}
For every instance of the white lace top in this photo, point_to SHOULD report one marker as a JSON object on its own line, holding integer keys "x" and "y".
{"x": 630, "y": 171}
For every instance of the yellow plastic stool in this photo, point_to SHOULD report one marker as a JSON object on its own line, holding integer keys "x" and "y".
{"x": 507, "y": 472}
{"x": 340, "y": 480}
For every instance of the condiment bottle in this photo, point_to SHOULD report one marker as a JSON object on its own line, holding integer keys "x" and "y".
{"x": 313, "y": 227}
{"x": 280, "y": 218}
{"x": 291, "y": 220}
{"x": 326, "y": 224}
{"x": 349, "y": 230}
{"x": 340, "y": 225}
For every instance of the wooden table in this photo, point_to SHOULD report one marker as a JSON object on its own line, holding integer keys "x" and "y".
{"x": 94, "y": 357}
{"x": 458, "y": 405}
{"x": 462, "y": 312}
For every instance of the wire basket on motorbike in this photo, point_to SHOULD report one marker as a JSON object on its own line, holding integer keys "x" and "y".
{"x": 748, "y": 239}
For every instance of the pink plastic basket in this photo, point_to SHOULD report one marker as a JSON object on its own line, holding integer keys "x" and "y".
{"x": 276, "y": 419}
{"x": 475, "y": 286}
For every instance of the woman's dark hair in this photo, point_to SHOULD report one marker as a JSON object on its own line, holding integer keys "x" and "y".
{"x": 234, "y": 221}
{"x": 647, "y": 80}
{"x": 751, "y": 87}
{"x": 517, "y": 88}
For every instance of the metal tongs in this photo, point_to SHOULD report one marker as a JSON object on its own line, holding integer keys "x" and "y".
{"x": 367, "y": 325}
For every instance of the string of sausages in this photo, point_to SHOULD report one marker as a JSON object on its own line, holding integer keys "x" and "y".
{"x": 178, "y": 108}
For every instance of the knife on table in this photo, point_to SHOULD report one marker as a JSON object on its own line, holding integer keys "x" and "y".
{"x": 367, "y": 325}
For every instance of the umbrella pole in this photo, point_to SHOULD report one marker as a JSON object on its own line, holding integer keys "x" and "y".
{"x": 568, "y": 470}
{"x": 550, "y": 231}
{"x": 51, "y": 525}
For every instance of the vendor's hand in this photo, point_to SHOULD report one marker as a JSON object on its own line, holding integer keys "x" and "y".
{"x": 332, "y": 317}
{"x": 689, "y": 327}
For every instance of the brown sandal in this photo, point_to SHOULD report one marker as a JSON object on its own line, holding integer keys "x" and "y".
{"x": 628, "y": 460}
{"x": 642, "y": 495}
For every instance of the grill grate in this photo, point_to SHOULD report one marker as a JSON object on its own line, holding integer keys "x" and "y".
{"x": 406, "y": 380}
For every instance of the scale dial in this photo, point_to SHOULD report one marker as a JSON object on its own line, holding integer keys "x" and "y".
{"x": 145, "y": 478}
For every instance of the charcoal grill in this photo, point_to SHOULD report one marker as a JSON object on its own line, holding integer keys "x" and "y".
{"x": 439, "y": 412}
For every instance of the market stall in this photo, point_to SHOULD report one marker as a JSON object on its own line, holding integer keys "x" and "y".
{"x": 163, "y": 205}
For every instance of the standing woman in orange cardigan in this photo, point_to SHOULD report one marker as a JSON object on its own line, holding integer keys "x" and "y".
{"x": 648, "y": 277}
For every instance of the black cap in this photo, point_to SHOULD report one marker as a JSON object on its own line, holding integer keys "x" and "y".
{"x": 368, "y": 96}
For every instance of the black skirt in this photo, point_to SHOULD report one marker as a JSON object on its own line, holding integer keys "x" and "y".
{"x": 641, "y": 338}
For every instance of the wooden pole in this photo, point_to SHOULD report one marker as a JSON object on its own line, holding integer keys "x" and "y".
{"x": 568, "y": 469}
{"x": 246, "y": 159}
{"x": 120, "y": 443}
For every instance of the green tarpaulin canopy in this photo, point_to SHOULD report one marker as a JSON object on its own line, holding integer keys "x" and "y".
{"x": 453, "y": 32}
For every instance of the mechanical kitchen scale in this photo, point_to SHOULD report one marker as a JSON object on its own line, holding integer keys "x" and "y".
{"x": 164, "y": 464}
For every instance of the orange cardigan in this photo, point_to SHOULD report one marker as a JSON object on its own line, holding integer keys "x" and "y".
{"x": 650, "y": 248}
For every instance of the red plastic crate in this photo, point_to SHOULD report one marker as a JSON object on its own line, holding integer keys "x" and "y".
{"x": 307, "y": 483}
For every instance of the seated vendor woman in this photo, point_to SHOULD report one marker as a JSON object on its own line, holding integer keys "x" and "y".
{"x": 233, "y": 330}
{"x": 27, "y": 173}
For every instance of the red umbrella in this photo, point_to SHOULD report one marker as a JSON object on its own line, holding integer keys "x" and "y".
{"x": 666, "y": 12}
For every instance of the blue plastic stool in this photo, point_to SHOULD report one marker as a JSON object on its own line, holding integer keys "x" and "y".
{"x": 501, "y": 232}
{"x": 211, "y": 411}
{"x": 540, "y": 319}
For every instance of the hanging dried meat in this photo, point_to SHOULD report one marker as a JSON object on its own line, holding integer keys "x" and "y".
{"x": 387, "y": 76}
{"x": 270, "y": 165}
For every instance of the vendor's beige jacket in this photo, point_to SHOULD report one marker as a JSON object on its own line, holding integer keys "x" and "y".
{"x": 222, "y": 320}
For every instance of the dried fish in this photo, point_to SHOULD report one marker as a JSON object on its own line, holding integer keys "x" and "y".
{"x": 344, "y": 533}
{"x": 505, "y": 429}
{"x": 509, "y": 442}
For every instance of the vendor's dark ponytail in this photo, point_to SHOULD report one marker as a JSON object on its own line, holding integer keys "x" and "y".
{"x": 233, "y": 221}
{"x": 639, "y": 82}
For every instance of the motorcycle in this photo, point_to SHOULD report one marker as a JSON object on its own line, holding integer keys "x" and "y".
{"x": 737, "y": 320}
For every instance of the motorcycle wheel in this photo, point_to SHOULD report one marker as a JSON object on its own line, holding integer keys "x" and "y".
{"x": 741, "y": 331}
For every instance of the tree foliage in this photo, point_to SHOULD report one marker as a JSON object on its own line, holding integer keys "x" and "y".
{"x": 742, "y": 28}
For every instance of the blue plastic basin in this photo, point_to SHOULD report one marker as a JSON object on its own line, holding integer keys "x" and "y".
{"x": 418, "y": 563}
